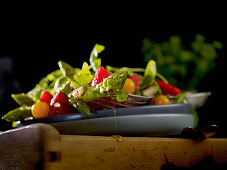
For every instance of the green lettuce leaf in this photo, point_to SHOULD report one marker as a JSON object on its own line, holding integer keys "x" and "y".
{"x": 66, "y": 69}
{"x": 154, "y": 89}
{"x": 60, "y": 81}
{"x": 66, "y": 88}
{"x": 46, "y": 83}
{"x": 79, "y": 105}
{"x": 122, "y": 96}
{"x": 180, "y": 98}
{"x": 149, "y": 74}
{"x": 94, "y": 60}
{"x": 18, "y": 114}
{"x": 23, "y": 99}
{"x": 130, "y": 70}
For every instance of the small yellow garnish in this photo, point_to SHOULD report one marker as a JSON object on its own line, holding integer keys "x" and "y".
{"x": 14, "y": 124}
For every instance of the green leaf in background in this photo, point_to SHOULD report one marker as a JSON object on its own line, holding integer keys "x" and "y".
{"x": 122, "y": 96}
{"x": 94, "y": 60}
{"x": 23, "y": 99}
{"x": 82, "y": 78}
{"x": 183, "y": 66}
{"x": 18, "y": 114}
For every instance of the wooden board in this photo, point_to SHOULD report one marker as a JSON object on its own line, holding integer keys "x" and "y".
{"x": 41, "y": 146}
{"x": 23, "y": 148}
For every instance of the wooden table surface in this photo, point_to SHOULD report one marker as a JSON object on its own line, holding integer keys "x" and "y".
{"x": 40, "y": 146}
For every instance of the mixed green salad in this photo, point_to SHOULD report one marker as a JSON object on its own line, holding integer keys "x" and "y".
{"x": 80, "y": 90}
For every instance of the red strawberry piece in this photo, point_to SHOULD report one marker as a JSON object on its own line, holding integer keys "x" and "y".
{"x": 59, "y": 105}
{"x": 175, "y": 91}
{"x": 100, "y": 75}
{"x": 168, "y": 89}
{"x": 164, "y": 86}
{"x": 136, "y": 80}
{"x": 46, "y": 97}
{"x": 57, "y": 110}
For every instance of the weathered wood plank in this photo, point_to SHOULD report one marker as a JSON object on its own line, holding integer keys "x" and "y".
{"x": 40, "y": 146}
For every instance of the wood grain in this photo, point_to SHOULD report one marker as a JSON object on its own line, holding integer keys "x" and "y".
{"x": 40, "y": 146}
{"x": 98, "y": 152}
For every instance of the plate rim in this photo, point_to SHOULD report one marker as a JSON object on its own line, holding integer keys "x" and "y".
{"x": 160, "y": 109}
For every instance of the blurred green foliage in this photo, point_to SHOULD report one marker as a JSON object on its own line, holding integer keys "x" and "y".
{"x": 182, "y": 67}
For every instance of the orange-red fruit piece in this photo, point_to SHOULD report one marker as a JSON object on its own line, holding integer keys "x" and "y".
{"x": 40, "y": 110}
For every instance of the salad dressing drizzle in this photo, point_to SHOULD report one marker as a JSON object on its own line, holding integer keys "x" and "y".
{"x": 115, "y": 119}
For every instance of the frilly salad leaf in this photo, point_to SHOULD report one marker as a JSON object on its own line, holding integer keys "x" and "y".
{"x": 82, "y": 78}
{"x": 94, "y": 60}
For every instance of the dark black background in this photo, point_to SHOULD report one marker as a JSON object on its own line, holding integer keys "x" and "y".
{"x": 37, "y": 36}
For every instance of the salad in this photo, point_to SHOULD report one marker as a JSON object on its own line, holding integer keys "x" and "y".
{"x": 80, "y": 90}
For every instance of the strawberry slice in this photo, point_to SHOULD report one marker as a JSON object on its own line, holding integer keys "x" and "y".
{"x": 100, "y": 75}
{"x": 46, "y": 97}
{"x": 136, "y": 80}
{"x": 168, "y": 88}
{"x": 59, "y": 105}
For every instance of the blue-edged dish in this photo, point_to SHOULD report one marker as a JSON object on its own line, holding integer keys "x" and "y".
{"x": 153, "y": 120}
